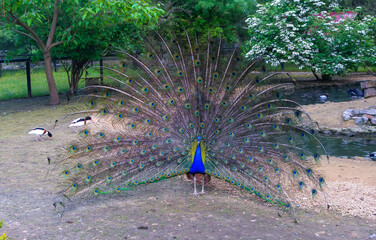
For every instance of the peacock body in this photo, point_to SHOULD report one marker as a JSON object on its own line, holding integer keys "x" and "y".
{"x": 188, "y": 108}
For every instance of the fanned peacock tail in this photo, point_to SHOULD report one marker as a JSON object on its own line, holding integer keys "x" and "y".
{"x": 188, "y": 100}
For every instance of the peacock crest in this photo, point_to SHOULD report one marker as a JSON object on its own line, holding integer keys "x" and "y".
{"x": 184, "y": 107}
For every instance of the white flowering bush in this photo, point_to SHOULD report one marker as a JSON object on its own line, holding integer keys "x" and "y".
{"x": 311, "y": 33}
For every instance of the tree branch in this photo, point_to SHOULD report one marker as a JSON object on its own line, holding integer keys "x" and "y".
{"x": 53, "y": 26}
{"x": 370, "y": 72}
{"x": 17, "y": 31}
{"x": 27, "y": 28}
{"x": 60, "y": 42}
{"x": 314, "y": 73}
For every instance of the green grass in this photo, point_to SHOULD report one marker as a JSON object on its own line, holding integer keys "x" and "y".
{"x": 13, "y": 84}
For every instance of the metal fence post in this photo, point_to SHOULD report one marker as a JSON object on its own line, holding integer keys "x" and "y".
{"x": 101, "y": 70}
{"x": 28, "y": 77}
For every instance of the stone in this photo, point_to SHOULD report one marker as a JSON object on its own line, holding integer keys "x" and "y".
{"x": 347, "y": 114}
{"x": 372, "y": 112}
{"x": 355, "y": 112}
{"x": 359, "y": 121}
{"x": 373, "y": 121}
{"x": 369, "y": 92}
{"x": 363, "y": 111}
{"x": 365, "y": 119}
{"x": 368, "y": 116}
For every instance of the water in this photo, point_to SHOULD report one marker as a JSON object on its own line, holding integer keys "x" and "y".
{"x": 342, "y": 146}
{"x": 305, "y": 96}
{"x": 339, "y": 146}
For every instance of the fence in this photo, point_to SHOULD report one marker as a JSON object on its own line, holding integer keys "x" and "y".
{"x": 28, "y": 75}
{"x": 20, "y": 73}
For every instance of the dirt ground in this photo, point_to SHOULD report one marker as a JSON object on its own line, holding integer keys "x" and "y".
{"x": 165, "y": 210}
{"x": 329, "y": 114}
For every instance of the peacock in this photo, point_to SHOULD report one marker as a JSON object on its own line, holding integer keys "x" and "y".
{"x": 188, "y": 106}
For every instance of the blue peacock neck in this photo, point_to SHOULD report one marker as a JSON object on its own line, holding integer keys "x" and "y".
{"x": 198, "y": 162}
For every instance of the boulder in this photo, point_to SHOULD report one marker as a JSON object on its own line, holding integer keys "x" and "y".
{"x": 373, "y": 121}
{"x": 365, "y": 119}
{"x": 372, "y": 112}
{"x": 359, "y": 121}
{"x": 347, "y": 114}
{"x": 355, "y": 112}
{"x": 363, "y": 111}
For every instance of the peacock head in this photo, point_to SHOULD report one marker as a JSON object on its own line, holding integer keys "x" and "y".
{"x": 198, "y": 138}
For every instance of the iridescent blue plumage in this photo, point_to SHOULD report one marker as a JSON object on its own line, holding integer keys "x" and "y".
{"x": 197, "y": 165}
{"x": 185, "y": 110}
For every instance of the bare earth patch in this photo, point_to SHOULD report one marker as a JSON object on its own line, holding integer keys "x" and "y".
{"x": 329, "y": 114}
{"x": 165, "y": 210}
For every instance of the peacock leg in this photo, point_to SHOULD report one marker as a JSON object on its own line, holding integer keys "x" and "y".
{"x": 194, "y": 185}
{"x": 203, "y": 184}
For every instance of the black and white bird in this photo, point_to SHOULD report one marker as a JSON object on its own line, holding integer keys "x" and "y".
{"x": 79, "y": 122}
{"x": 39, "y": 132}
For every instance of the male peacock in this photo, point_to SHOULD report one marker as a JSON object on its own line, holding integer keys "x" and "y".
{"x": 188, "y": 109}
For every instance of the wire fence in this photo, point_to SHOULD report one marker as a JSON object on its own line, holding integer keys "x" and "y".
{"x": 20, "y": 78}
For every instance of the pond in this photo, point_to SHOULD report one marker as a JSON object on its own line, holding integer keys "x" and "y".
{"x": 342, "y": 146}
{"x": 305, "y": 96}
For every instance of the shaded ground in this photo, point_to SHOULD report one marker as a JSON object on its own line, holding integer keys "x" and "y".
{"x": 163, "y": 210}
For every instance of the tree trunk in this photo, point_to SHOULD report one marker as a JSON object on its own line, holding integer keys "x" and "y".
{"x": 326, "y": 77}
{"x": 314, "y": 74}
{"x": 54, "y": 95}
{"x": 78, "y": 67}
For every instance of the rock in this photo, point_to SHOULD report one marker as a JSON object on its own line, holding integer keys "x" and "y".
{"x": 359, "y": 121}
{"x": 347, "y": 114}
{"x": 372, "y": 112}
{"x": 363, "y": 111}
{"x": 373, "y": 121}
{"x": 369, "y": 116}
{"x": 355, "y": 112}
{"x": 365, "y": 119}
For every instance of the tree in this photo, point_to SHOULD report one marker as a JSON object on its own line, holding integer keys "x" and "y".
{"x": 217, "y": 17}
{"x": 53, "y": 22}
{"x": 313, "y": 34}
{"x": 91, "y": 43}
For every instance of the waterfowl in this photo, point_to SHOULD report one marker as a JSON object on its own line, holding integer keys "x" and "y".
{"x": 324, "y": 96}
{"x": 80, "y": 122}
{"x": 39, "y": 132}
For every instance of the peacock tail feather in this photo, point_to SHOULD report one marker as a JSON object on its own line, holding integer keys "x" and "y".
{"x": 148, "y": 123}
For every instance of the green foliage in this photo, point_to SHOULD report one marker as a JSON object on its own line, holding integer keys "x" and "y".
{"x": 368, "y": 6}
{"x": 218, "y": 17}
{"x": 3, "y": 237}
{"x": 307, "y": 33}
{"x": 84, "y": 28}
